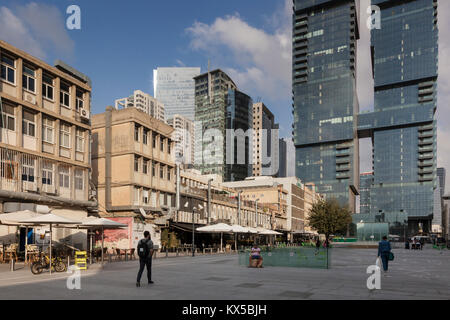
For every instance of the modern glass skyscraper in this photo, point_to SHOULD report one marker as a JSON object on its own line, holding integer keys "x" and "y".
{"x": 175, "y": 88}
{"x": 365, "y": 183}
{"x": 403, "y": 125}
{"x": 325, "y": 104}
{"x": 220, "y": 106}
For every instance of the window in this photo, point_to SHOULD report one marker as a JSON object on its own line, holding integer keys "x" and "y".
{"x": 161, "y": 144}
{"x": 47, "y": 173}
{"x": 79, "y": 100}
{"x": 27, "y": 169}
{"x": 145, "y": 136}
{"x": 47, "y": 130}
{"x": 154, "y": 140}
{"x": 145, "y": 166}
{"x": 28, "y": 79}
{"x": 136, "y": 133}
{"x": 153, "y": 170}
{"x": 64, "y": 177}
{"x": 145, "y": 196}
{"x": 28, "y": 124}
{"x": 79, "y": 140}
{"x": 64, "y": 95}
{"x": 161, "y": 172}
{"x": 8, "y": 69}
{"x": 79, "y": 179}
{"x": 136, "y": 164}
{"x": 8, "y": 169}
{"x": 168, "y": 146}
{"x": 47, "y": 87}
{"x": 8, "y": 119}
{"x": 168, "y": 174}
{"x": 161, "y": 199}
{"x": 64, "y": 135}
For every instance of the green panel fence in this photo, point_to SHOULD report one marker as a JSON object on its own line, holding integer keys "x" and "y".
{"x": 299, "y": 257}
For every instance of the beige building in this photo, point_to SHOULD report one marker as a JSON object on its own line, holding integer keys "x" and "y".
{"x": 144, "y": 102}
{"x": 44, "y": 138}
{"x": 184, "y": 140}
{"x": 288, "y": 194}
{"x": 224, "y": 204}
{"x": 134, "y": 170}
{"x": 311, "y": 197}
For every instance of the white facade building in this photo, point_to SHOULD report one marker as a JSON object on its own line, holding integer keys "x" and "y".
{"x": 144, "y": 102}
{"x": 184, "y": 139}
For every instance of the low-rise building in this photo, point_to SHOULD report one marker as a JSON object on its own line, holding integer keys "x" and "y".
{"x": 134, "y": 171}
{"x": 44, "y": 141}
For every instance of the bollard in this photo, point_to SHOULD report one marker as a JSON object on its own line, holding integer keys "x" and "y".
{"x": 68, "y": 262}
{"x": 11, "y": 264}
{"x": 167, "y": 253}
{"x": 177, "y": 251}
{"x": 126, "y": 255}
{"x": 109, "y": 257}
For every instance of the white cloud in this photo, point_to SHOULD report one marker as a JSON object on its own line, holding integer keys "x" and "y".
{"x": 36, "y": 28}
{"x": 262, "y": 59}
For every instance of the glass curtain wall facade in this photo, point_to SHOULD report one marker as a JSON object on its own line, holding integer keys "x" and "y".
{"x": 175, "y": 88}
{"x": 325, "y": 104}
{"x": 403, "y": 125}
{"x": 365, "y": 183}
{"x": 220, "y": 106}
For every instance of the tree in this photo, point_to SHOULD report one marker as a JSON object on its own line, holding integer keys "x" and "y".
{"x": 328, "y": 217}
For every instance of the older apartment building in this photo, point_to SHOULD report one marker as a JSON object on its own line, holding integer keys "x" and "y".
{"x": 132, "y": 162}
{"x": 44, "y": 135}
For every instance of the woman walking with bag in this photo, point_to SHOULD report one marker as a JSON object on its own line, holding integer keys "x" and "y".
{"x": 384, "y": 252}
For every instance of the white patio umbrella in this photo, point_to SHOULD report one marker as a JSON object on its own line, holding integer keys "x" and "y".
{"x": 238, "y": 229}
{"x": 14, "y": 218}
{"x": 50, "y": 219}
{"x": 217, "y": 228}
{"x": 101, "y": 224}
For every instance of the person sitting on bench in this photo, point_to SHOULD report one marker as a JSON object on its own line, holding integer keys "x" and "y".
{"x": 255, "y": 256}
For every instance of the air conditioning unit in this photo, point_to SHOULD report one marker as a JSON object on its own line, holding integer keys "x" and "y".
{"x": 84, "y": 113}
{"x": 29, "y": 98}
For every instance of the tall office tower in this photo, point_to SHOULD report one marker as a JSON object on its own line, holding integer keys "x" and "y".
{"x": 286, "y": 162}
{"x": 265, "y": 141}
{"x": 220, "y": 106}
{"x": 403, "y": 126}
{"x": 365, "y": 182}
{"x": 144, "y": 102}
{"x": 325, "y": 104}
{"x": 441, "y": 175}
{"x": 184, "y": 140}
{"x": 175, "y": 88}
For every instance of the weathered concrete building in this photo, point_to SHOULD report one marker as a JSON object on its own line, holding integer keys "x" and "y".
{"x": 44, "y": 141}
{"x": 134, "y": 171}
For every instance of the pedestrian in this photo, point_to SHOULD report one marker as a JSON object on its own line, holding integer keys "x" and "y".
{"x": 145, "y": 252}
{"x": 317, "y": 246}
{"x": 384, "y": 249}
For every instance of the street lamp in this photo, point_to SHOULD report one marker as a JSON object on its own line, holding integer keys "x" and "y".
{"x": 193, "y": 225}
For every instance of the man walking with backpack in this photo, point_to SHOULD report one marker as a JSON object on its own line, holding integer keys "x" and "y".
{"x": 145, "y": 253}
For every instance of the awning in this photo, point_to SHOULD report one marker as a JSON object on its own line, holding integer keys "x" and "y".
{"x": 184, "y": 226}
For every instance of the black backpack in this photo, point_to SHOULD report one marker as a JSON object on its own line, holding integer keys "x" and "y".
{"x": 142, "y": 249}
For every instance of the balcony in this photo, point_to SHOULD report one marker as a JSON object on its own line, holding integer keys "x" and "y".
{"x": 427, "y": 127}
{"x": 342, "y": 160}
{"x": 426, "y": 163}
{"x": 428, "y": 177}
{"x": 426, "y": 134}
{"x": 426, "y": 141}
{"x": 426, "y": 156}
{"x": 342, "y": 168}
{"x": 427, "y": 170}
{"x": 426, "y": 149}
{"x": 344, "y": 175}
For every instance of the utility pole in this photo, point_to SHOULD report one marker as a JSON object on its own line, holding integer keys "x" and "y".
{"x": 239, "y": 207}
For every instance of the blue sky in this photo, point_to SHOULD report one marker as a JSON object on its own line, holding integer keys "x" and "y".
{"x": 121, "y": 42}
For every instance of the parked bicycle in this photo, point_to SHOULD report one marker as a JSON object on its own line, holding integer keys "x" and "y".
{"x": 43, "y": 263}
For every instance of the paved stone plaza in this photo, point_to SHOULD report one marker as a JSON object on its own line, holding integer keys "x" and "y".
{"x": 413, "y": 275}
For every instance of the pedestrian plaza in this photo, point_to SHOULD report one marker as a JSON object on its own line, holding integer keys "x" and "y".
{"x": 414, "y": 274}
